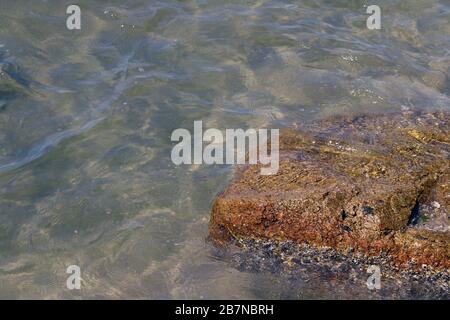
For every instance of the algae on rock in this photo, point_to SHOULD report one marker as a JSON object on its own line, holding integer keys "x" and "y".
{"x": 353, "y": 184}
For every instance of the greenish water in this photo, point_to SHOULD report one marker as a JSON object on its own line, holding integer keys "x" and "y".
{"x": 86, "y": 117}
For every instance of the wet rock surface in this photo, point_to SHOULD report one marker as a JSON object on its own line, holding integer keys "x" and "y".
{"x": 376, "y": 186}
{"x": 329, "y": 274}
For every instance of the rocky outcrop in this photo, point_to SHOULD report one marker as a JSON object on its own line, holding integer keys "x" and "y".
{"x": 355, "y": 185}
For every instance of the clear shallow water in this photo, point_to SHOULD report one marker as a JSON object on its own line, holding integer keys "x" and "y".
{"x": 86, "y": 118}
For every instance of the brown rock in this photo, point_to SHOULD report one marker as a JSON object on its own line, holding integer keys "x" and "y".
{"x": 350, "y": 184}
